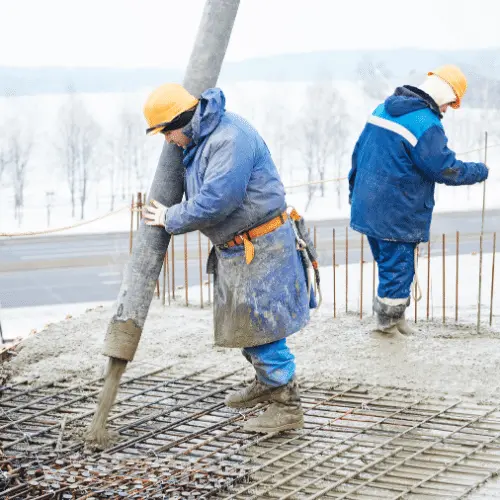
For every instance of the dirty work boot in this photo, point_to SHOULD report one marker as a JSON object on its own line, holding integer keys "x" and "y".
{"x": 404, "y": 328}
{"x": 251, "y": 395}
{"x": 388, "y": 331}
{"x": 386, "y": 326}
{"x": 283, "y": 414}
{"x": 390, "y": 313}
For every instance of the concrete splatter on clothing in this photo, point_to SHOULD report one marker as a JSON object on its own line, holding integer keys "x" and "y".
{"x": 265, "y": 300}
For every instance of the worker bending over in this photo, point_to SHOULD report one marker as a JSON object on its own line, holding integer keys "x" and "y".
{"x": 235, "y": 197}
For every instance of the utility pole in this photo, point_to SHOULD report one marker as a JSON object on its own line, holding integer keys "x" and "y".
{"x": 143, "y": 269}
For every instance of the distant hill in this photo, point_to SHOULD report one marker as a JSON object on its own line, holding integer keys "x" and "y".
{"x": 397, "y": 66}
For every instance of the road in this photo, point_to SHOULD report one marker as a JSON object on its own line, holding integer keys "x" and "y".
{"x": 88, "y": 267}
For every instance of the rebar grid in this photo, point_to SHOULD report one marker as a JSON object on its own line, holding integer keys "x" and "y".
{"x": 176, "y": 439}
{"x": 426, "y": 449}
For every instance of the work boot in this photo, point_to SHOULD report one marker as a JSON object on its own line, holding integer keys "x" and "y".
{"x": 389, "y": 317}
{"x": 277, "y": 418}
{"x": 404, "y": 328}
{"x": 388, "y": 331}
{"x": 251, "y": 395}
{"x": 386, "y": 325}
{"x": 283, "y": 414}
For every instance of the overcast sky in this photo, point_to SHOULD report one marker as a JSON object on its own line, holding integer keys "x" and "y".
{"x": 161, "y": 32}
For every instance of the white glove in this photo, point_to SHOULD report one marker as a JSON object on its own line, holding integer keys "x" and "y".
{"x": 154, "y": 214}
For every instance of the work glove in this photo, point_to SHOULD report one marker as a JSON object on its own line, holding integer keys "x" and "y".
{"x": 154, "y": 214}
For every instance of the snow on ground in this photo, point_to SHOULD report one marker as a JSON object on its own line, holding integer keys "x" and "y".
{"x": 19, "y": 322}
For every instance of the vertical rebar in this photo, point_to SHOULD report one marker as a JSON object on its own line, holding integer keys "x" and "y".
{"x": 334, "y": 277}
{"x": 209, "y": 246}
{"x": 200, "y": 253}
{"x": 172, "y": 245}
{"x": 444, "y": 278}
{"x": 131, "y": 238}
{"x": 373, "y": 285}
{"x": 457, "y": 274}
{"x": 186, "y": 285}
{"x": 346, "y": 270}
{"x": 315, "y": 246}
{"x": 493, "y": 276}
{"x": 361, "y": 278}
{"x": 416, "y": 283}
{"x": 139, "y": 208}
{"x": 158, "y": 288}
{"x": 167, "y": 265}
{"x": 164, "y": 278}
{"x": 481, "y": 238}
{"x": 428, "y": 277}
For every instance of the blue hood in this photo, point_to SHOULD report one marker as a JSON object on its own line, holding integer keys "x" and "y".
{"x": 207, "y": 116}
{"x": 407, "y": 99}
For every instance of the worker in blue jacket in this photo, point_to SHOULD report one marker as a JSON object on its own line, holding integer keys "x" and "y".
{"x": 401, "y": 154}
{"x": 235, "y": 197}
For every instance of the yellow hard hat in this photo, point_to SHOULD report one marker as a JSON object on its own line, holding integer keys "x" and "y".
{"x": 454, "y": 77}
{"x": 166, "y": 103}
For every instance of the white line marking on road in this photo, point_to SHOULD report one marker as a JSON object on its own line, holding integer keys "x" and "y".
{"x": 75, "y": 255}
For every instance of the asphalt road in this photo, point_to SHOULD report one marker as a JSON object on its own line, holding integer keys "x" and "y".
{"x": 88, "y": 267}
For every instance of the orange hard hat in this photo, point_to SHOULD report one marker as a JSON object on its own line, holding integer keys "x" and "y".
{"x": 166, "y": 103}
{"x": 454, "y": 77}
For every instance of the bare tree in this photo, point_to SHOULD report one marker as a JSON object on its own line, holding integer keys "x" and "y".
{"x": 112, "y": 167}
{"x": 18, "y": 155}
{"x": 120, "y": 159}
{"x": 88, "y": 142}
{"x": 3, "y": 159}
{"x": 131, "y": 150}
{"x": 78, "y": 134}
{"x": 322, "y": 131}
{"x": 277, "y": 130}
{"x": 16, "y": 144}
{"x": 68, "y": 144}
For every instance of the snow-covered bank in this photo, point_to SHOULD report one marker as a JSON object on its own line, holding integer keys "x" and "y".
{"x": 19, "y": 322}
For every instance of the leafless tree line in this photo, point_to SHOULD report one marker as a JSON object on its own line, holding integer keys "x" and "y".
{"x": 15, "y": 149}
{"x": 315, "y": 141}
{"x": 84, "y": 154}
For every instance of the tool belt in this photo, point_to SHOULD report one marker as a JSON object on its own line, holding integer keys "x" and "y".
{"x": 247, "y": 237}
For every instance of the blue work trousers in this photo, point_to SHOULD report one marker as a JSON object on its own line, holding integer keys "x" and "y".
{"x": 396, "y": 267}
{"x": 274, "y": 363}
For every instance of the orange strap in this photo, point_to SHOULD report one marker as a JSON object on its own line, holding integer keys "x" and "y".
{"x": 294, "y": 215}
{"x": 256, "y": 232}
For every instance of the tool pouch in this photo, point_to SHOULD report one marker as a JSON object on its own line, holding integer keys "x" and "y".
{"x": 212, "y": 261}
{"x": 309, "y": 257}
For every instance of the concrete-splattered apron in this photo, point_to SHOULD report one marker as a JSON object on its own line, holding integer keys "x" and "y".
{"x": 263, "y": 301}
